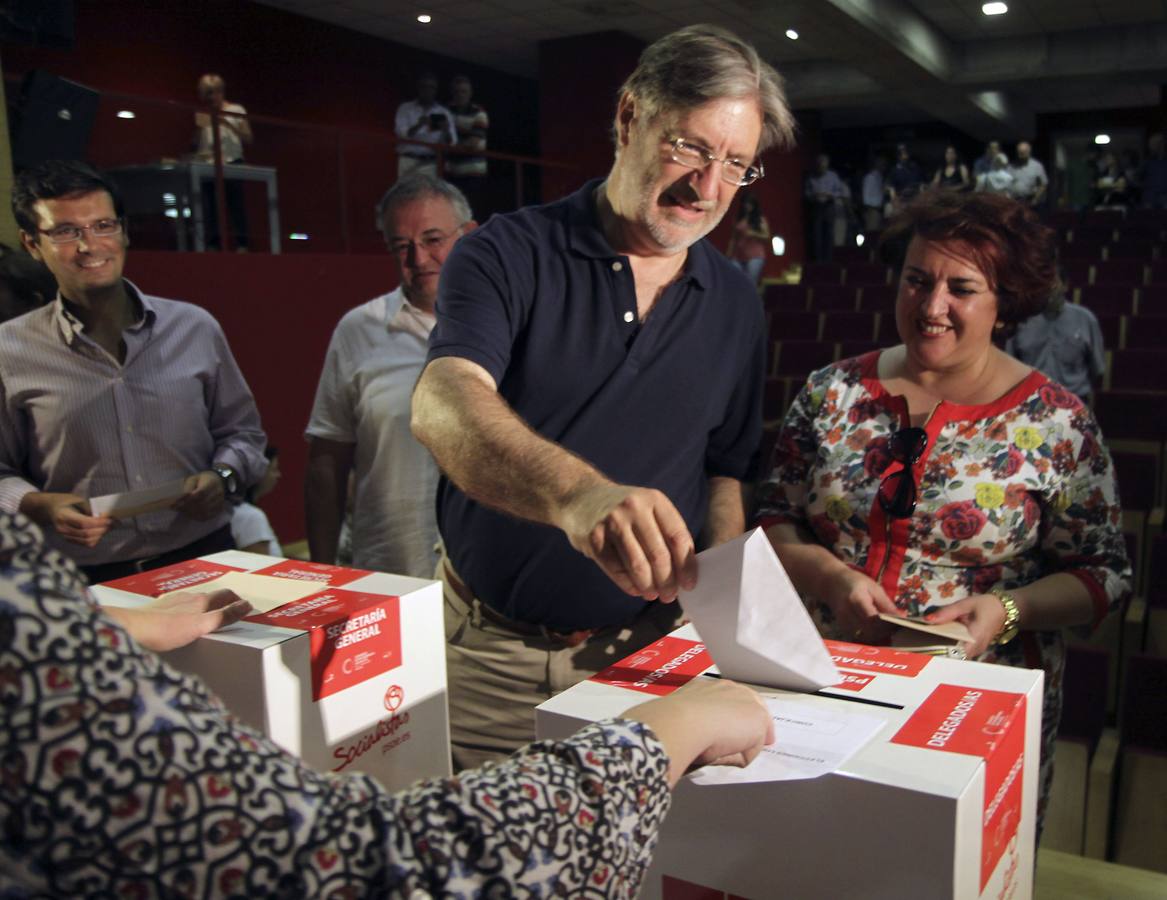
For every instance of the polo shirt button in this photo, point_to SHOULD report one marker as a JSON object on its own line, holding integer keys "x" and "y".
{"x": 617, "y": 266}
{"x": 629, "y": 316}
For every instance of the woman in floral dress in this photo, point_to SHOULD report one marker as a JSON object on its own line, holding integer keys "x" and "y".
{"x": 944, "y": 477}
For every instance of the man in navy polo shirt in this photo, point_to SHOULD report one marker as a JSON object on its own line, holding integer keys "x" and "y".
{"x": 593, "y": 394}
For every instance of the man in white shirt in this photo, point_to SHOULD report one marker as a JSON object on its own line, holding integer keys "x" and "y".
{"x": 423, "y": 119}
{"x": 1029, "y": 178}
{"x": 360, "y": 420}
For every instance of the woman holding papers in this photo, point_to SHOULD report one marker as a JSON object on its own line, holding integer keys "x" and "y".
{"x": 942, "y": 478}
{"x": 124, "y": 777}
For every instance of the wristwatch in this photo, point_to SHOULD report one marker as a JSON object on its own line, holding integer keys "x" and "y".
{"x": 229, "y": 478}
{"x": 1012, "y": 615}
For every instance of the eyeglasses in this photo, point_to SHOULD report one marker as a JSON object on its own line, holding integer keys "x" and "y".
{"x": 897, "y": 492}
{"x": 67, "y": 234}
{"x": 431, "y": 243}
{"x": 733, "y": 171}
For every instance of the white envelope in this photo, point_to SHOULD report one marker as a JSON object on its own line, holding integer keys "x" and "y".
{"x": 135, "y": 503}
{"x": 753, "y": 621}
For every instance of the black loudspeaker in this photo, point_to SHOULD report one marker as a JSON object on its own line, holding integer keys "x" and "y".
{"x": 55, "y": 117}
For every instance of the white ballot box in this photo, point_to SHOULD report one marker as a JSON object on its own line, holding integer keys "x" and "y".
{"x": 939, "y": 803}
{"x": 350, "y": 675}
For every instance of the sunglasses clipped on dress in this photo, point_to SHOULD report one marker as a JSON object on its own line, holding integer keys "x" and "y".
{"x": 897, "y": 492}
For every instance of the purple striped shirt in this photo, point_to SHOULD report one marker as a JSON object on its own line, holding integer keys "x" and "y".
{"x": 72, "y": 420}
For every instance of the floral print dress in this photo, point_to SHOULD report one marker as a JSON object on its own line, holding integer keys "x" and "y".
{"x": 122, "y": 777}
{"x": 1008, "y": 492}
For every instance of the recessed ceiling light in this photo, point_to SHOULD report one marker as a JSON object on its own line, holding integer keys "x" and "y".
{"x": 1102, "y": 138}
{"x": 792, "y": 34}
{"x": 425, "y": 18}
{"x": 126, "y": 114}
{"x": 995, "y": 9}
{"x": 297, "y": 236}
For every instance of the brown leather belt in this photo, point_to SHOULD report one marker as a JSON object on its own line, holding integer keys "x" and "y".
{"x": 561, "y": 638}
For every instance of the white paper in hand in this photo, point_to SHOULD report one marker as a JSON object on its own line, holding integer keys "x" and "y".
{"x": 752, "y": 620}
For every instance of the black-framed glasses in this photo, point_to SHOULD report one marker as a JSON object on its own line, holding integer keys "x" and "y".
{"x": 67, "y": 234}
{"x": 897, "y": 492}
{"x": 733, "y": 171}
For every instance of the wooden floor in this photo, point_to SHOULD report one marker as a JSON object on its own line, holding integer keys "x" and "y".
{"x": 1063, "y": 876}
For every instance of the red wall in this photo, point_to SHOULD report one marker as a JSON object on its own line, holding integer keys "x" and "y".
{"x": 278, "y": 313}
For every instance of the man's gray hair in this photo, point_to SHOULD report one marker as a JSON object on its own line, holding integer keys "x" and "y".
{"x": 700, "y": 63}
{"x": 417, "y": 186}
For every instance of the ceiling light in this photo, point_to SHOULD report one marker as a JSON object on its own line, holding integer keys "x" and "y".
{"x": 859, "y": 240}
{"x": 1102, "y": 138}
{"x": 792, "y": 34}
{"x": 425, "y": 18}
{"x": 126, "y": 114}
{"x": 778, "y": 245}
{"x": 995, "y": 9}
{"x": 297, "y": 236}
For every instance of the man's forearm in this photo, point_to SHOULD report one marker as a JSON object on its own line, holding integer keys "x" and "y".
{"x": 488, "y": 451}
{"x": 726, "y": 518}
{"x": 325, "y": 496}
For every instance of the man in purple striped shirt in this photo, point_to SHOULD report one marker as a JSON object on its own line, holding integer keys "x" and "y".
{"x": 109, "y": 390}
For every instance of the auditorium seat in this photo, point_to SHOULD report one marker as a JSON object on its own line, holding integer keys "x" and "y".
{"x": 849, "y": 326}
{"x": 1108, "y": 299}
{"x": 880, "y": 298}
{"x": 800, "y": 358}
{"x": 828, "y": 297}
{"x": 1146, "y": 332}
{"x": 1153, "y": 300}
{"x": 1120, "y": 271}
{"x": 794, "y": 325}
{"x": 1131, "y": 249}
{"x": 785, "y": 297}
{"x": 822, "y": 273}
{"x": 1140, "y": 825}
{"x": 866, "y": 273}
{"x": 1144, "y": 370}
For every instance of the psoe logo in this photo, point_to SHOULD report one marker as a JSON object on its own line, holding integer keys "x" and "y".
{"x": 643, "y": 658}
{"x": 394, "y": 697}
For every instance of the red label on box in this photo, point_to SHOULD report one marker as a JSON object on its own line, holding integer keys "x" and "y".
{"x": 299, "y": 570}
{"x": 853, "y": 681}
{"x": 877, "y": 660}
{"x": 988, "y": 724}
{"x": 181, "y": 575}
{"x": 353, "y": 636}
{"x": 660, "y": 668}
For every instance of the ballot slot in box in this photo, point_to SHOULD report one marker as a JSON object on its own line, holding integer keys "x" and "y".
{"x": 342, "y": 667}
{"x": 894, "y": 774}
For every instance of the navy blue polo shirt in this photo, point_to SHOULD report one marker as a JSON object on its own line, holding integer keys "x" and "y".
{"x": 541, "y": 301}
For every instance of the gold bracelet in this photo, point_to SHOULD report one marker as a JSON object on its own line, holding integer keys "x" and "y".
{"x": 1012, "y": 616}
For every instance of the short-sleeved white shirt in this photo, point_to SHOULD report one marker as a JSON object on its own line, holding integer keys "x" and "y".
{"x": 374, "y": 359}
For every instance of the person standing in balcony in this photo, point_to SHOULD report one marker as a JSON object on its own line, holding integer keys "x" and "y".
{"x": 234, "y": 132}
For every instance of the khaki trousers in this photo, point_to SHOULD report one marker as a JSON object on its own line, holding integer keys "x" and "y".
{"x": 497, "y": 676}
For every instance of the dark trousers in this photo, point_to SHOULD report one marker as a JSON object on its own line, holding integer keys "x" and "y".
{"x": 217, "y": 540}
{"x": 236, "y": 213}
{"x": 822, "y": 232}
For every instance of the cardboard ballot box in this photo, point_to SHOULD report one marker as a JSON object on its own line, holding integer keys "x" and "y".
{"x": 351, "y": 677}
{"x": 941, "y": 803}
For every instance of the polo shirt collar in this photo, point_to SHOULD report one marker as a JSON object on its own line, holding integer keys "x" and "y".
{"x": 586, "y": 237}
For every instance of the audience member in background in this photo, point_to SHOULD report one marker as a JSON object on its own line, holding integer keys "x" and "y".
{"x": 1064, "y": 342}
{"x": 1029, "y": 179}
{"x": 234, "y": 132}
{"x": 250, "y": 527}
{"x": 25, "y": 283}
{"x": 826, "y": 192}
{"x": 468, "y": 172}
{"x": 1110, "y": 188}
{"x": 109, "y": 390}
{"x": 127, "y": 778}
{"x": 1081, "y": 171}
{"x": 984, "y": 162}
{"x": 1154, "y": 176}
{"x": 953, "y": 174}
{"x": 941, "y": 477}
{"x": 593, "y": 393}
{"x": 749, "y": 243}
{"x": 905, "y": 178}
{"x": 998, "y": 180}
{"x": 874, "y": 195}
{"x": 423, "y": 119}
{"x": 360, "y": 420}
